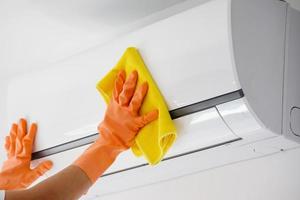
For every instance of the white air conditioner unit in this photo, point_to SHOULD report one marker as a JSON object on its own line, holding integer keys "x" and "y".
{"x": 228, "y": 69}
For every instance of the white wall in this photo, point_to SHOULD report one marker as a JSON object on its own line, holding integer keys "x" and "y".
{"x": 275, "y": 177}
{"x": 3, "y": 123}
{"x": 35, "y": 34}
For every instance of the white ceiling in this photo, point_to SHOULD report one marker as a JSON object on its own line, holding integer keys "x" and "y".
{"x": 37, "y": 33}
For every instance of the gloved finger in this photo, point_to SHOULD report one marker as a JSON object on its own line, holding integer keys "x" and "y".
{"x": 128, "y": 89}
{"x": 40, "y": 170}
{"x": 35, "y": 173}
{"x": 19, "y": 146}
{"x": 22, "y": 128}
{"x": 13, "y": 136}
{"x": 138, "y": 98}
{"x": 147, "y": 118}
{"x": 119, "y": 82}
{"x": 7, "y": 143}
{"x": 31, "y": 133}
{"x": 22, "y": 131}
{"x": 28, "y": 141}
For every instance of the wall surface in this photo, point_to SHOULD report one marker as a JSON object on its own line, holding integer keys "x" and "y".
{"x": 36, "y": 34}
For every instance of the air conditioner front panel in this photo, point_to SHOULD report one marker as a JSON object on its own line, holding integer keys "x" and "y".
{"x": 197, "y": 131}
{"x": 190, "y": 62}
{"x": 195, "y": 136}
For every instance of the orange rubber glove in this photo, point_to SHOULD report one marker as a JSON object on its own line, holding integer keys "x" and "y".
{"x": 16, "y": 172}
{"x": 121, "y": 124}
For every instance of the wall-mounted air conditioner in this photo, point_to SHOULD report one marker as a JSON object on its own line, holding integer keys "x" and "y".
{"x": 228, "y": 70}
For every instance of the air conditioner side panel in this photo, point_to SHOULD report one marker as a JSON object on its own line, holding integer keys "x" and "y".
{"x": 291, "y": 115}
{"x": 258, "y": 33}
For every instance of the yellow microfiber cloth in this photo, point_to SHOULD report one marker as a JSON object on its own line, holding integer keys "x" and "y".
{"x": 154, "y": 140}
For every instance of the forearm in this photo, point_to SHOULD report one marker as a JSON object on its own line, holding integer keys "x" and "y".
{"x": 69, "y": 184}
{"x": 118, "y": 130}
{"x": 74, "y": 181}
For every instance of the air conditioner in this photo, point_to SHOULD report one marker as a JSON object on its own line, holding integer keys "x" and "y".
{"x": 228, "y": 69}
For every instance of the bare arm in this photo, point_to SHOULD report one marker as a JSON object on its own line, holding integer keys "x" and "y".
{"x": 69, "y": 184}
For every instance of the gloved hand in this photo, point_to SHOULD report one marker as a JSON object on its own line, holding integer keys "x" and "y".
{"x": 16, "y": 172}
{"x": 120, "y": 126}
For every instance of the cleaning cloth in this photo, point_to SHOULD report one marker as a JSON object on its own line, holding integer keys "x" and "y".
{"x": 154, "y": 140}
